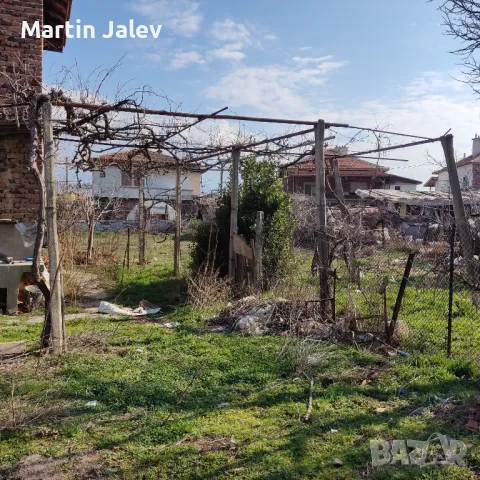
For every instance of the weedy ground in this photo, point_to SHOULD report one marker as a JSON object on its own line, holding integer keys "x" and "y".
{"x": 133, "y": 399}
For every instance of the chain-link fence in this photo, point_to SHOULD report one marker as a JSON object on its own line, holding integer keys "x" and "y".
{"x": 417, "y": 294}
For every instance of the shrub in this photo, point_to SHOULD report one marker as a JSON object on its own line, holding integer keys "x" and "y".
{"x": 261, "y": 190}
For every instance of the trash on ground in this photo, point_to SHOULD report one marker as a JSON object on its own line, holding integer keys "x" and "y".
{"x": 143, "y": 309}
{"x": 92, "y": 403}
{"x": 170, "y": 325}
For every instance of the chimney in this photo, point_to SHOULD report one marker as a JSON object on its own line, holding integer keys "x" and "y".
{"x": 344, "y": 150}
{"x": 476, "y": 146}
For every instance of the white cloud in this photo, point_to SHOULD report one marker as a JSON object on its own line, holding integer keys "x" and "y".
{"x": 180, "y": 16}
{"x": 229, "y": 31}
{"x": 304, "y": 49}
{"x": 274, "y": 89}
{"x": 307, "y": 60}
{"x": 183, "y": 59}
{"x": 270, "y": 37}
{"x": 154, "y": 57}
{"x": 230, "y": 51}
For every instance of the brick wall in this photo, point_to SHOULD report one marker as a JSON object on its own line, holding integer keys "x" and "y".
{"x": 19, "y": 199}
{"x": 21, "y": 60}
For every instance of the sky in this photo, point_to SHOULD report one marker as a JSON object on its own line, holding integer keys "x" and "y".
{"x": 362, "y": 63}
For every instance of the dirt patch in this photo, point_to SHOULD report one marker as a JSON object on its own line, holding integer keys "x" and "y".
{"x": 82, "y": 465}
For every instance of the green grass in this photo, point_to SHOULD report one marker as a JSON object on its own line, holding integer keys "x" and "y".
{"x": 159, "y": 391}
{"x": 188, "y": 404}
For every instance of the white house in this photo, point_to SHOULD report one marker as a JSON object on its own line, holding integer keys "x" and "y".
{"x": 468, "y": 169}
{"x": 118, "y": 175}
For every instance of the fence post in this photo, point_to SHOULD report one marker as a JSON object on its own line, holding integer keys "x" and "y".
{"x": 233, "y": 213}
{"x": 141, "y": 221}
{"x": 450, "y": 290}
{"x": 56, "y": 287}
{"x": 258, "y": 257}
{"x": 128, "y": 248}
{"x": 320, "y": 189}
{"x": 178, "y": 219}
{"x": 459, "y": 210}
{"x": 401, "y": 293}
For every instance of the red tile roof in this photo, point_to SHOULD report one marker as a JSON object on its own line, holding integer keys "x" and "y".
{"x": 136, "y": 159}
{"x": 431, "y": 182}
{"x": 461, "y": 163}
{"x": 348, "y": 166}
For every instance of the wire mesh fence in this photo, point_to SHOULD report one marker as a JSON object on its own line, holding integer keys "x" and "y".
{"x": 418, "y": 295}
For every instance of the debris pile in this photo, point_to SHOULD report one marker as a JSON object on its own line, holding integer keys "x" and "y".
{"x": 253, "y": 316}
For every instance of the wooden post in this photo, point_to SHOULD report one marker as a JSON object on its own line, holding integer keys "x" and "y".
{"x": 338, "y": 186}
{"x": 401, "y": 293}
{"x": 322, "y": 241}
{"x": 222, "y": 167}
{"x": 128, "y": 248}
{"x": 349, "y": 249}
{"x": 461, "y": 223}
{"x": 141, "y": 221}
{"x": 178, "y": 219}
{"x": 57, "y": 342}
{"x": 258, "y": 257}
{"x": 233, "y": 213}
{"x": 450, "y": 290}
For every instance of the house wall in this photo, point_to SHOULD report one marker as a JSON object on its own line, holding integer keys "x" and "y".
{"x": 156, "y": 186}
{"x": 20, "y": 59}
{"x": 296, "y": 184}
{"x": 404, "y": 187}
{"x": 465, "y": 176}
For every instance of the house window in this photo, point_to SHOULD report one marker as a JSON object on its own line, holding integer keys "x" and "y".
{"x": 398, "y": 187}
{"x": 465, "y": 183}
{"x": 309, "y": 189}
{"x": 129, "y": 181}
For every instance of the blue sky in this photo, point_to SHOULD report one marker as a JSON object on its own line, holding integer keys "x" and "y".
{"x": 362, "y": 63}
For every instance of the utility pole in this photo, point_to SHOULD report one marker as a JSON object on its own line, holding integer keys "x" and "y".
{"x": 322, "y": 240}
{"x": 233, "y": 214}
{"x": 57, "y": 340}
{"x": 461, "y": 223}
{"x": 178, "y": 219}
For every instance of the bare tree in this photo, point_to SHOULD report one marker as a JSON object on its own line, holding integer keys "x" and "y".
{"x": 462, "y": 21}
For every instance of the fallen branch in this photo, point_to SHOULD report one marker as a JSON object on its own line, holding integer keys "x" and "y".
{"x": 306, "y": 418}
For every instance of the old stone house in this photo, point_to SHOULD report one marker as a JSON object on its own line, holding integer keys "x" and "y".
{"x": 21, "y": 63}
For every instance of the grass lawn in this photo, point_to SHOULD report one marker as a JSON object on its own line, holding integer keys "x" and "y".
{"x": 133, "y": 399}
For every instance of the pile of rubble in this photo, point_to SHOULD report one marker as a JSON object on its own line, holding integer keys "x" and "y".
{"x": 253, "y": 316}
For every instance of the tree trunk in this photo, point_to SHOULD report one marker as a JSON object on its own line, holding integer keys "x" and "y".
{"x": 35, "y": 152}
